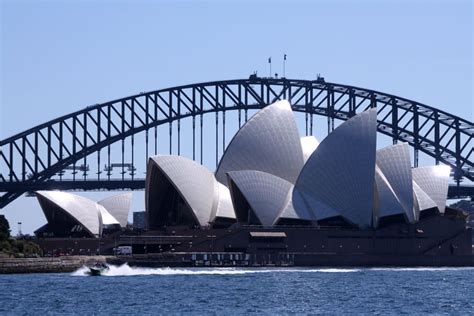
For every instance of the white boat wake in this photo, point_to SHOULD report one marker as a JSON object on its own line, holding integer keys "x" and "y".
{"x": 423, "y": 269}
{"x": 126, "y": 270}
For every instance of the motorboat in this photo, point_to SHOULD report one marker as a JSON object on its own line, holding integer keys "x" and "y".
{"x": 99, "y": 268}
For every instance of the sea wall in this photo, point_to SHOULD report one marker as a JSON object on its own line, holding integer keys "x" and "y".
{"x": 46, "y": 265}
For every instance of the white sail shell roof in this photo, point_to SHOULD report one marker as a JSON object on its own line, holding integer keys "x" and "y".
{"x": 422, "y": 200}
{"x": 308, "y": 145}
{"x": 85, "y": 211}
{"x": 225, "y": 208}
{"x": 434, "y": 181}
{"x": 387, "y": 203}
{"x": 394, "y": 162}
{"x": 288, "y": 211}
{"x": 265, "y": 193}
{"x": 294, "y": 209}
{"x": 195, "y": 184}
{"x": 118, "y": 206}
{"x": 299, "y": 208}
{"x": 268, "y": 142}
{"x": 338, "y": 178}
{"x": 105, "y": 217}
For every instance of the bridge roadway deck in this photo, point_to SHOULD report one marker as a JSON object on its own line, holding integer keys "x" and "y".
{"x": 454, "y": 192}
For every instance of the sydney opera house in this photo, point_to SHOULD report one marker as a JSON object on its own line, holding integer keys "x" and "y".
{"x": 71, "y": 215}
{"x": 277, "y": 195}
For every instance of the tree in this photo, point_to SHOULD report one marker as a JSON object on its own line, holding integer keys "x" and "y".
{"x": 4, "y": 228}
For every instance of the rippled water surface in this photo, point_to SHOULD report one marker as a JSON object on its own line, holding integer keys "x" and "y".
{"x": 126, "y": 290}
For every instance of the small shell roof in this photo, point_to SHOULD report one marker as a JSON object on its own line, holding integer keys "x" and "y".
{"x": 422, "y": 200}
{"x": 83, "y": 210}
{"x": 308, "y": 145}
{"x": 434, "y": 181}
{"x": 105, "y": 217}
{"x": 394, "y": 162}
{"x": 225, "y": 208}
{"x": 118, "y": 206}
{"x": 265, "y": 193}
{"x": 387, "y": 202}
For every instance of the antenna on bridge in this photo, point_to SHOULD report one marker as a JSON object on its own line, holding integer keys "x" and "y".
{"x": 270, "y": 62}
{"x": 284, "y": 62}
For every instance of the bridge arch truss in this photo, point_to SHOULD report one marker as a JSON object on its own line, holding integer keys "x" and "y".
{"x": 31, "y": 159}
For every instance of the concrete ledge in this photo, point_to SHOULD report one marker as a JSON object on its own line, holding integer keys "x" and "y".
{"x": 46, "y": 265}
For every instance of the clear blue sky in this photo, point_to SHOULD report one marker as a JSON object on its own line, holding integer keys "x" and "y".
{"x": 59, "y": 56}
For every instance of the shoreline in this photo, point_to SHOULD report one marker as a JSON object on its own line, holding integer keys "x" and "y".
{"x": 46, "y": 264}
{"x": 66, "y": 264}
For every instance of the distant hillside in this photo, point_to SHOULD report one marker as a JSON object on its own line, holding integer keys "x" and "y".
{"x": 465, "y": 205}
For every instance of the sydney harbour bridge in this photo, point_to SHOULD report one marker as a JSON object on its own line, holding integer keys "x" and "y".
{"x": 105, "y": 146}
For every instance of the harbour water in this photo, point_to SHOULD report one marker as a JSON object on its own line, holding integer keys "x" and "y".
{"x": 127, "y": 290}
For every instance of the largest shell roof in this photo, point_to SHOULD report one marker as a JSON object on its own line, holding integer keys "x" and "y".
{"x": 338, "y": 178}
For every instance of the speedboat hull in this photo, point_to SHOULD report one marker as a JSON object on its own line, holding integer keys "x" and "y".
{"x": 97, "y": 270}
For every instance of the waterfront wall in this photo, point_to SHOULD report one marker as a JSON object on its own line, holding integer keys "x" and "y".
{"x": 46, "y": 265}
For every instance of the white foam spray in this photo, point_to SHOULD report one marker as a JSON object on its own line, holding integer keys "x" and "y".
{"x": 423, "y": 269}
{"x": 126, "y": 270}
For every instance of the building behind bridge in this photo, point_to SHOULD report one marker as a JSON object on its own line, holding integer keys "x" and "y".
{"x": 139, "y": 220}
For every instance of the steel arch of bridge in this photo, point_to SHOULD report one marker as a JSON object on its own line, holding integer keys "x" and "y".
{"x": 29, "y": 159}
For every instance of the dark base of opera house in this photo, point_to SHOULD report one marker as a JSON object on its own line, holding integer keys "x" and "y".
{"x": 435, "y": 240}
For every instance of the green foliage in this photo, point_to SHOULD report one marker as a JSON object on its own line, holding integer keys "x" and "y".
{"x": 5, "y": 246}
{"x": 16, "y": 247}
{"x": 4, "y": 228}
{"x": 21, "y": 247}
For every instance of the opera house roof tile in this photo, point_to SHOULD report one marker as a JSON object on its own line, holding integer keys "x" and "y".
{"x": 85, "y": 212}
{"x": 394, "y": 163}
{"x": 268, "y": 142}
{"x": 118, "y": 206}
{"x": 194, "y": 183}
{"x": 387, "y": 203}
{"x": 308, "y": 145}
{"x": 265, "y": 193}
{"x": 225, "y": 208}
{"x": 422, "y": 200}
{"x": 434, "y": 181}
{"x": 338, "y": 178}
